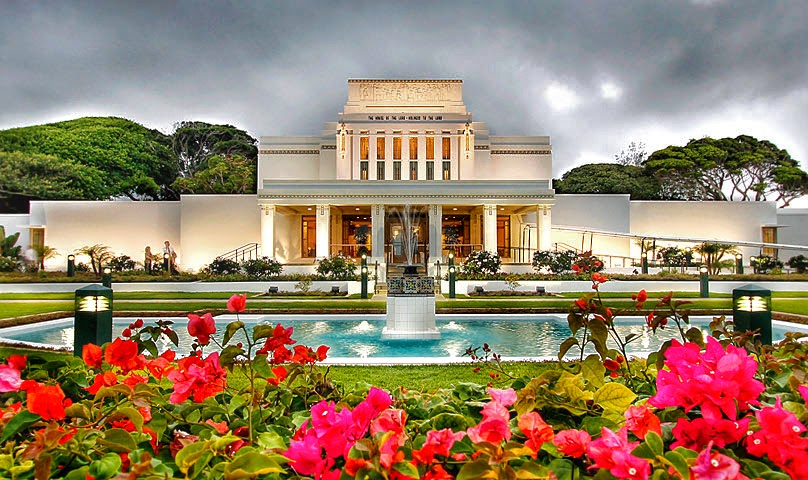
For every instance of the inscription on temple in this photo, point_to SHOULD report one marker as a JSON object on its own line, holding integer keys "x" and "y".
{"x": 405, "y": 117}
{"x": 403, "y": 92}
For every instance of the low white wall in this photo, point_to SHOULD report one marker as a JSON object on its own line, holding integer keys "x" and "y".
{"x": 253, "y": 287}
{"x": 610, "y": 213}
{"x": 466, "y": 286}
{"x": 794, "y": 231}
{"x": 215, "y": 224}
{"x": 14, "y": 223}
{"x": 126, "y": 227}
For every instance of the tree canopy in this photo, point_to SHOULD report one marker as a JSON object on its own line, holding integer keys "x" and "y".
{"x": 609, "y": 178}
{"x": 223, "y": 175}
{"x": 194, "y": 143}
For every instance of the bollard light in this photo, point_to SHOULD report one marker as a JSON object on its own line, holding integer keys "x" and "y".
{"x": 364, "y": 280}
{"x": 739, "y": 264}
{"x": 93, "y": 317}
{"x": 704, "y": 282}
{"x": 106, "y": 277}
{"x": 451, "y": 280}
{"x": 166, "y": 265}
{"x": 644, "y": 261}
{"x": 752, "y": 311}
{"x": 753, "y": 263}
{"x": 71, "y": 265}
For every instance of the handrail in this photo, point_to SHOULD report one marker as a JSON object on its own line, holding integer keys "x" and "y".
{"x": 248, "y": 251}
{"x": 566, "y": 247}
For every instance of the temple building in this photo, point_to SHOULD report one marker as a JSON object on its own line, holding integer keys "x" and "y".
{"x": 404, "y": 170}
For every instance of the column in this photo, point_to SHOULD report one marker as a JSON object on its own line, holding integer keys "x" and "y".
{"x": 323, "y": 231}
{"x": 268, "y": 230}
{"x": 377, "y": 233}
{"x": 544, "y": 227}
{"x": 490, "y": 228}
{"x": 435, "y": 231}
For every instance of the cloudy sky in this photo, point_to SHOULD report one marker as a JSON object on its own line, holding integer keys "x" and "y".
{"x": 594, "y": 75}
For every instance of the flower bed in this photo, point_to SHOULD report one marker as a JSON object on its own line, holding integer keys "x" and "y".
{"x": 720, "y": 408}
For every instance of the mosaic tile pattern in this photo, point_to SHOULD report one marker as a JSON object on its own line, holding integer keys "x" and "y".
{"x": 403, "y": 286}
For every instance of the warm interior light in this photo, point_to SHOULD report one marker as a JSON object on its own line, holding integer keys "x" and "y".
{"x": 752, "y": 303}
{"x": 94, "y": 304}
{"x": 71, "y": 257}
{"x": 454, "y": 208}
{"x": 702, "y": 269}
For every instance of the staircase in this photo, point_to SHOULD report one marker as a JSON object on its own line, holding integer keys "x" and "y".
{"x": 247, "y": 251}
{"x": 398, "y": 271}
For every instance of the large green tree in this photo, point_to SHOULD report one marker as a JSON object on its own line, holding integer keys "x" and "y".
{"x": 741, "y": 168}
{"x": 49, "y": 177}
{"x": 609, "y": 178}
{"x": 132, "y": 160}
{"x": 231, "y": 174}
{"x": 194, "y": 143}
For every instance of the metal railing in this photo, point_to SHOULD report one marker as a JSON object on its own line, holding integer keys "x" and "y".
{"x": 248, "y": 251}
{"x": 350, "y": 250}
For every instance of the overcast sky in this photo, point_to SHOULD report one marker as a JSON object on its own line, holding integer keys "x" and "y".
{"x": 594, "y": 75}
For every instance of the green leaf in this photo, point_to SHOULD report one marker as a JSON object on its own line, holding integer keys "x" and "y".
{"x": 679, "y": 463}
{"x": 449, "y": 420}
{"x": 172, "y": 335}
{"x": 250, "y": 465}
{"x": 593, "y": 371}
{"x": 133, "y": 415}
{"x": 614, "y": 396}
{"x": 532, "y": 470}
{"x": 118, "y": 440}
{"x": 643, "y": 451}
{"x": 229, "y": 354}
{"x": 654, "y": 441}
{"x": 406, "y": 469}
{"x": 158, "y": 423}
{"x": 106, "y": 467}
{"x": 271, "y": 441}
{"x": 476, "y": 469}
{"x": 575, "y": 321}
{"x": 262, "y": 367}
{"x": 231, "y": 330}
{"x": 20, "y": 422}
{"x": 695, "y": 336}
{"x": 563, "y": 469}
{"x": 189, "y": 455}
{"x": 262, "y": 331}
{"x": 565, "y": 347}
{"x": 598, "y": 334}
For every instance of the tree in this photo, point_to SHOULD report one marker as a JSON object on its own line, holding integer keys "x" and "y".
{"x": 195, "y": 143}
{"x": 741, "y": 168}
{"x": 121, "y": 157}
{"x": 609, "y": 178}
{"x": 633, "y": 155}
{"x": 49, "y": 177}
{"x": 99, "y": 255}
{"x": 221, "y": 175}
{"x": 712, "y": 253}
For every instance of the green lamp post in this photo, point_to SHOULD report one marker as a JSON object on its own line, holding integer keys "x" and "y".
{"x": 644, "y": 261}
{"x": 364, "y": 270}
{"x": 106, "y": 277}
{"x": 739, "y": 264}
{"x": 752, "y": 311}
{"x": 704, "y": 282}
{"x": 71, "y": 265}
{"x": 93, "y": 317}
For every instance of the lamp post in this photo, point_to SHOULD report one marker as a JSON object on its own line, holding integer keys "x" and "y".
{"x": 364, "y": 282}
{"x": 452, "y": 281}
{"x": 644, "y": 261}
{"x": 166, "y": 264}
{"x": 106, "y": 277}
{"x": 752, "y": 311}
{"x": 704, "y": 282}
{"x": 93, "y": 317}
{"x": 753, "y": 262}
{"x": 739, "y": 264}
{"x": 71, "y": 265}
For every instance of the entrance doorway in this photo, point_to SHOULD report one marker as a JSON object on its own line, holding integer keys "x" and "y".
{"x": 407, "y": 238}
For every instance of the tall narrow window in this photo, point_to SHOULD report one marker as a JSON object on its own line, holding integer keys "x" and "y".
{"x": 396, "y": 170}
{"x": 413, "y": 147}
{"x": 379, "y": 170}
{"x": 447, "y": 148}
{"x": 309, "y": 236}
{"x": 363, "y": 170}
{"x": 430, "y": 148}
{"x": 364, "y": 148}
{"x": 430, "y": 170}
{"x": 447, "y": 170}
{"x": 396, "y": 148}
{"x": 769, "y": 236}
{"x": 413, "y": 170}
{"x": 380, "y": 148}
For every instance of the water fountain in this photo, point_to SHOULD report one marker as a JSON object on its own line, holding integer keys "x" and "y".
{"x": 410, "y": 297}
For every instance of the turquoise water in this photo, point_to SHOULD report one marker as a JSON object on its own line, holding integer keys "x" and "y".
{"x": 513, "y": 336}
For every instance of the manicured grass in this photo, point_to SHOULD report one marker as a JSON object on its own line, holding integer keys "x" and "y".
{"x": 799, "y": 307}
{"x": 11, "y": 310}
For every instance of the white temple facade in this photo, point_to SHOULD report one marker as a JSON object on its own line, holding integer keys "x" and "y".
{"x": 404, "y": 145}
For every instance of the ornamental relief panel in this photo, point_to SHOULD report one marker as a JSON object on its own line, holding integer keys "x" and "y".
{"x": 403, "y": 92}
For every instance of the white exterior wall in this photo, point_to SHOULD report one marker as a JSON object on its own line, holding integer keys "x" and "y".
{"x": 599, "y": 212}
{"x": 126, "y": 227}
{"x": 794, "y": 232}
{"x": 723, "y": 222}
{"x": 17, "y": 222}
{"x": 283, "y": 158}
{"x": 215, "y": 224}
{"x": 287, "y": 243}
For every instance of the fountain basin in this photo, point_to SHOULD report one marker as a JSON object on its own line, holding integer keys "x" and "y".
{"x": 411, "y": 309}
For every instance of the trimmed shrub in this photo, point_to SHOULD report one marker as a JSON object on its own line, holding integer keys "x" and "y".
{"x": 222, "y": 266}
{"x": 122, "y": 263}
{"x": 798, "y": 263}
{"x": 337, "y": 268}
{"x": 482, "y": 262}
{"x": 262, "y": 268}
{"x": 556, "y": 262}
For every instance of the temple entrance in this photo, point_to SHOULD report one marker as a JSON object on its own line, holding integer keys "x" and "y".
{"x": 407, "y": 237}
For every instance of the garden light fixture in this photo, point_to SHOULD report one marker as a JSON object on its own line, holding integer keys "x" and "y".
{"x": 739, "y": 264}
{"x": 752, "y": 311}
{"x": 106, "y": 277}
{"x": 71, "y": 265}
{"x": 704, "y": 282}
{"x": 93, "y": 317}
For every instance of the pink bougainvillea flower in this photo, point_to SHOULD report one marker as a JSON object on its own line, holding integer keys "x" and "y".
{"x": 123, "y": 354}
{"x": 715, "y": 466}
{"x": 640, "y": 420}
{"x": 779, "y": 427}
{"x": 697, "y": 433}
{"x": 505, "y": 397}
{"x": 612, "y": 451}
{"x": 803, "y": 389}
{"x": 202, "y": 327}
{"x": 627, "y": 466}
{"x": 443, "y": 440}
{"x": 280, "y": 336}
{"x": 10, "y": 380}
{"x": 572, "y": 442}
{"x": 202, "y": 378}
{"x": 536, "y": 430}
{"x": 237, "y": 303}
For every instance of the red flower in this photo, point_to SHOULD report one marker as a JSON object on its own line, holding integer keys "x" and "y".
{"x": 138, "y": 323}
{"x": 220, "y": 427}
{"x": 611, "y": 365}
{"x": 92, "y": 355}
{"x": 572, "y": 442}
{"x": 202, "y": 327}
{"x": 280, "y": 337}
{"x": 17, "y": 361}
{"x": 536, "y": 430}
{"x": 123, "y": 354}
{"x": 582, "y": 304}
{"x": 598, "y": 278}
{"x": 280, "y": 375}
{"x": 640, "y": 420}
{"x": 697, "y": 433}
{"x": 237, "y": 303}
{"x": 126, "y": 333}
{"x": 106, "y": 379}
{"x": 640, "y": 298}
{"x": 47, "y": 401}
{"x": 202, "y": 378}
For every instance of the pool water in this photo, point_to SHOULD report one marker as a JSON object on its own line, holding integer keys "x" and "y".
{"x": 359, "y": 337}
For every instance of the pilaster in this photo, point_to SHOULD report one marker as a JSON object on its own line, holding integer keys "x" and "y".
{"x": 323, "y": 231}
{"x": 490, "y": 228}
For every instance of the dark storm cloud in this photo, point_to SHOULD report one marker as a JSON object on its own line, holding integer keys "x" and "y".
{"x": 684, "y": 69}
